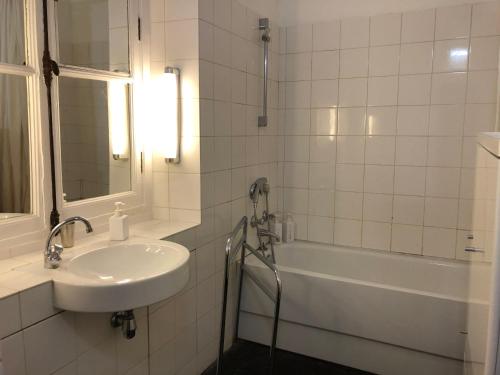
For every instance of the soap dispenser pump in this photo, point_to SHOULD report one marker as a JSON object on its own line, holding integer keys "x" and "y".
{"x": 118, "y": 224}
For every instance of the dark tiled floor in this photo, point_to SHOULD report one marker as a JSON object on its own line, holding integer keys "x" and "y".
{"x": 248, "y": 358}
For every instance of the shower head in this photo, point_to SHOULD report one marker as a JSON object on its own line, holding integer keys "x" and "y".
{"x": 257, "y": 188}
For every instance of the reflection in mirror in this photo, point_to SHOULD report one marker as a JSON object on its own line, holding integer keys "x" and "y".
{"x": 92, "y": 115}
{"x": 14, "y": 147}
{"x": 93, "y": 34}
{"x": 14, "y": 131}
{"x": 12, "y": 48}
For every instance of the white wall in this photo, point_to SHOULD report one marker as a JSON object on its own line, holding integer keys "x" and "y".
{"x": 267, "y": 8}
{"x": 293, "y": 12}
{"x": 381, "y": 118}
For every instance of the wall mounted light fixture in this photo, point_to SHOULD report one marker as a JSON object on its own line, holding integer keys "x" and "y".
{"x": 118, "y": 119}
{"x": 173, "y": 118}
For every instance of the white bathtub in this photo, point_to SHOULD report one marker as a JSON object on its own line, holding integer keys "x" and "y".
{"x": 383, "y": 313}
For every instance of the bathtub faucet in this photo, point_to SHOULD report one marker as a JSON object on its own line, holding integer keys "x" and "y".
{"x": 267, "y": 233}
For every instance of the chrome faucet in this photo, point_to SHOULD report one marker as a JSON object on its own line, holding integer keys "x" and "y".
{"x": 52, "y": 254}
{"x": 267, "y": 233}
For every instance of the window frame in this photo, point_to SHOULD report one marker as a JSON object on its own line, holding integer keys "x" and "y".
{"x": 134, "y": 198}
{"x": 30, "y": 225}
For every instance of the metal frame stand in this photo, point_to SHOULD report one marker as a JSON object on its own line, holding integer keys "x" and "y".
{"x": 232, "y": 249}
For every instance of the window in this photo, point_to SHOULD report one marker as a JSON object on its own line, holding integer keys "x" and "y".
{"x": 16, "y": 80}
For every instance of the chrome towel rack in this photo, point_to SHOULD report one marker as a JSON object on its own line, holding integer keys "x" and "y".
{"x": 237, "y": 242}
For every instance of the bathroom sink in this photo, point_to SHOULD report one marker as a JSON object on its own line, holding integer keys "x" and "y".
{"x": 121, "y": 277}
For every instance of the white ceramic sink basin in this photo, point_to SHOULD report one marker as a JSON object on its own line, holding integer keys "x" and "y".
{"x": 121, "y": 277}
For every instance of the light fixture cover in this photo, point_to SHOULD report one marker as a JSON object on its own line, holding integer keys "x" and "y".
{"x": 118, "y": 119}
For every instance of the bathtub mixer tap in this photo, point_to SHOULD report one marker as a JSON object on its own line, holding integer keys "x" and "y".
{"x": 258, "y": 188}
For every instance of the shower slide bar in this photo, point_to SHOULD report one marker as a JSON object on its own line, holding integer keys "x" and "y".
{"x": 237, "y": 242}
{"x": 266, "y": 38}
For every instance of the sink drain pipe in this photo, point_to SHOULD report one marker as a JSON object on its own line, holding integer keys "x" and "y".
{"x": 125, "y": 320}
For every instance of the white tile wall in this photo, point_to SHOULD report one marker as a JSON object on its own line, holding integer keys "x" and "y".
{"x": 403, "y": 96}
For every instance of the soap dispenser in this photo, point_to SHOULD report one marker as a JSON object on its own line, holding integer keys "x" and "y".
{"x": 118, "y": 224}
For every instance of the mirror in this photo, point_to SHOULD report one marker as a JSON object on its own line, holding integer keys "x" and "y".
{"x": 94, "y": 106}
{"x": 93, "y": 34}
{"x": 94, "y": 129}
{"x": 14, "y": 127}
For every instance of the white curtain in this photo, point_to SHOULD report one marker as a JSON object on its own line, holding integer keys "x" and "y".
{"x": 14, "y": 141}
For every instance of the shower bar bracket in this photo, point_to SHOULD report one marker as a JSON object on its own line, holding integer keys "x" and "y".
{"x": 266, "y": 38}
{"x": 237, "y": 242}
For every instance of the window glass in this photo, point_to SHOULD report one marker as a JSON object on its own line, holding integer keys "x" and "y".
{"x": 93, "y": 34}
{"x": 14, "y": 147}
{"x": 94, "y": 125}
{"x": 12, "y": 34}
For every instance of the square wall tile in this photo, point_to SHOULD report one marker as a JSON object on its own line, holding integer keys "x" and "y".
{"x": 418, "y": 26}
{"x": 444, "y": 151}
{"x": 9, "y": 306}
{"x": 384, "y": 61}
{"x": 407, "y": 239}
{"x": 351, "y": 121}
{"x": 351, "y": 149}
{"x": 485, "y": 19}
{"x": 453, "y": 22}
{"x": 347, "y": 232}
{"x": 322, "y": 149}
{"x": 416, "y": 58}
{"x": 446, "y": 120}
{"x": 322, "y": 176}
{"x": 414, "y": 89}
{"x": 385, "y": 29}
{"x": 439, "y": 242}
{"x": 326, "y": 36}
{"x": 320, "y": 229}
{"x": 380, "y": 150}
{"x": 411, "y": 151}
{"x": 324, "y": 121}
{"x": 408, "y": 210}
{"x": 376, "y": 235}
{"x": 413, "y": 120}
{"x": 379, "y": 179}
{"x": 299, "y": 38}
{"x": 298, "y": 67}
{"x": 355, "y": 32}
{"x": 482, "y": 87}
{"x": 349, "y": 177}
{"x": 451, "y": 55}
{"x": 353, "y": 92}
{"x": 381, "y": 121}
{"x": 383, "y": 91}
{"x": 321, "y": 204}
{"x": 483, "y": 53}
{"x": 325, "y": 65}
{"x": 409, "y": 180}
{"x": 348, "y": 205}
{"x": 354, "y": 62}
{"x": 441, "y": 212}
{"x": 377, "y": 207}
{"x": 324, "y": 94}
{"x": 442, "y": 182}
{"x": 449, "y": 88}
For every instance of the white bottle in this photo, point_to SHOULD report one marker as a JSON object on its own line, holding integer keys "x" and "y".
{"x": 288, "y": 228}
{"x": 118, "y": 224}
